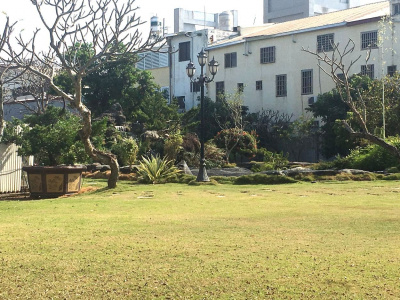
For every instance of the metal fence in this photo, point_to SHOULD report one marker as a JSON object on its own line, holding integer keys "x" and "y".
{"x": 11, "y": 175}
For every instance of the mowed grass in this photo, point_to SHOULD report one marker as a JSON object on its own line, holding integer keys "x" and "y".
{"x": 173, "y": 241}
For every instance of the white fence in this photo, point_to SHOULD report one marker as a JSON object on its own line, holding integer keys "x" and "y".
{"x": 11, "y": 164}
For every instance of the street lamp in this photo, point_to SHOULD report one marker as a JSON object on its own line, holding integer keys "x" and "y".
{"x": 202, "y": 79}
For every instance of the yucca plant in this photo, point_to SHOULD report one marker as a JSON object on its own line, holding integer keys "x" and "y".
{"x": 155, "y": 169}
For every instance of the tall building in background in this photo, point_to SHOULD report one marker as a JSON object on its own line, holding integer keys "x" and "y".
{"x": 276, "y": 11}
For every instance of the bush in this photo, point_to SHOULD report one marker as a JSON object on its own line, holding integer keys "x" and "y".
{"x": 224, "y": 179}
{"x": 126, "y": 150}
{"x": 395, "y": 176}
{"x": 237, "y": 141}
{"x": 263, "y": 179}
{"x": 373, "y": 157}
{"x": 173, "y": 145}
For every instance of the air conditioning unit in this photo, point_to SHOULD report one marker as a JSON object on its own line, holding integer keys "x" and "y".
{"x": 312, "y": 100}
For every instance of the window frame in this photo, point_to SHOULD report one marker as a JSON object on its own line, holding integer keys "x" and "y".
{"x": 325, "y": 40}
{"x": 396, "y": 9}
{"x": 259, "y": 85}
{"x": 307, "y": 82}
{"x": 368, "y": 70}
{"x": 230, "y": 60}
{"x": 367, "y": 39}
{"x": 391, "y": 70}
{"x": 281, "y": 85}
{"x": 184, "y": 51}
{"x": 268, "y": 55}
{"x": 219, "y": 89}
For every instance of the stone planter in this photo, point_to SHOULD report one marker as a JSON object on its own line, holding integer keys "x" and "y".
{"x": 51, "y": 182}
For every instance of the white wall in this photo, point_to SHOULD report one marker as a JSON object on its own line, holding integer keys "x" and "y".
{"x": 290, "y": 60}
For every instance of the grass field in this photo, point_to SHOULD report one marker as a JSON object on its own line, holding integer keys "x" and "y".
{"x": 299, "y": 241}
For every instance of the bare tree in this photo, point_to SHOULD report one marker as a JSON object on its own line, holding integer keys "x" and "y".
{"x": 108, "y": 27}
{"x": 339, "y": 71}
{"x": 6, "y": 67}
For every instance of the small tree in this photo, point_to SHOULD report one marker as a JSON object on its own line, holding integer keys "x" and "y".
{"x": 336, "y": 65}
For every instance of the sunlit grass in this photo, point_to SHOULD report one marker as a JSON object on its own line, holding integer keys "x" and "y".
{"x": 322, "y": 241}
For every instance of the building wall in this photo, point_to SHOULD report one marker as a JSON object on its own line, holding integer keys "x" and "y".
{"x": 291, "y": 60}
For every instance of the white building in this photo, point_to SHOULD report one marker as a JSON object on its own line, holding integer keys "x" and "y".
{"x": 268, "y": 63}
{"x": 287, "y": 10}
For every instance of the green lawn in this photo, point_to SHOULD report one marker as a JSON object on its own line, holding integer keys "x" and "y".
{"x": 299, "y": 241}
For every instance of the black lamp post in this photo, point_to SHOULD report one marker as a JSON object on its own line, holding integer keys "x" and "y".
{"x": 202, "y": 79}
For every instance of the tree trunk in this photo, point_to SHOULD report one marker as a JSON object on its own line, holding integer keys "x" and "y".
{"x": 86, "y": 131}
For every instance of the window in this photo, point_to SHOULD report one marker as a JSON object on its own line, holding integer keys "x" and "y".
{"x": 259, "y": 85}
{"x": 325, "y": 42}
{"x": 281, "y": 90}
{"x": 240, "y": 87}
{"x": 369, "y": 40}
{"x": 195, "y": 87}
{"x": 220, "y": 89}
{"x": 230, "y": 60}
{"x": 306, "y": 82}
{"x": 267, "y": 55}
{"x": 184, "y": 51}
{"x": 368, "y": 70}
{"x": 391, "y": 70}
{"x": 181, "y": 103}
{"x": 396, "y": 9}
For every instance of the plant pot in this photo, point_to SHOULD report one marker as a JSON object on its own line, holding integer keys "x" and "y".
{"x": 51, "y": 182}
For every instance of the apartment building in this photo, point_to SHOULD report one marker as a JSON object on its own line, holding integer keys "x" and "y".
{"x": 272, "y": 72}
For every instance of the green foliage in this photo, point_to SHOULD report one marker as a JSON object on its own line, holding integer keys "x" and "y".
{"x": 264, "y": 179}
{"x": 173, "y": 145}
{"x": 126, "y": 150}
{"x": 276, "y": 161}
{"x": 394, "y": 176}
{"x": 373, "y": 157}
{"x": 156, "y": 169}
{"x": 52, "y": 137}
{"x": 241, "y": 142}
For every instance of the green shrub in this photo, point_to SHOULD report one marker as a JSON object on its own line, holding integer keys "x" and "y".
{"x": 156, "y": 169}
{"x": 393, "y": 170}
{"x": 173, "y": 145}
{"x": 198, "y": 183}
{"x": 263, "y": 179}
{"x": 394, "y": 176}
{"x": 224, "y": 179}
{"x": 181, "y": 178}
{"x": 126, "y": 150}
{"x": 237, "y": 141}
{"x": 260, "y": 166}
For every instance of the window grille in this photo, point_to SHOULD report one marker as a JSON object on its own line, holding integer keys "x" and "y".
{"x": 325, "y": 42}
{"x": 306, "y": 82}
{"x": 267, "y": 55}
{"x": 368, "y": 70}
{"x": 369, "y": 40}
{"x": 281, "y": 85}
{"x": 230, "y": 60}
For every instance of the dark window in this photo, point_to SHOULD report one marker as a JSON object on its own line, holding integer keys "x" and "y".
{"x": 195, "y": 87}
{"x": 220, "y": 89}
{"x": 267, "y": 55}
{"x": 240, "y": 87}
{"x": 368, "y": 70}
{"x": 369, "y": 40}
{"x": 259, "y": 85}
{"x": 391, "y": 70}
{"x": 230, "y": 60}
{"x": 306, "y": 82}
{"x": 281, "y": 85}
{"x": 396, "y": 9}
{"x": 184, "y": 51}
{"x": 181, "y": 103}
{"x": 325, "y": 42}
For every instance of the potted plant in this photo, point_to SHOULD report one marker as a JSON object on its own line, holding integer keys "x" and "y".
{"x": 52, "y": 138}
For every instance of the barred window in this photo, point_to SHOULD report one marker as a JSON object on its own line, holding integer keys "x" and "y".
{"x": 230, "y": 60}
{"x": 369, "y": 40}
{"x": 220, "y": 89}
{"x": 281, "y": 85}
{"x": 259, "y": 85}
{"x": 396, "y": 9}
{"x": 240, "y": 87}
{"x": 195, "y": 87}
{"x": 267, "y": 55}
{"x": 306, "y": 82}
{"x": 391, "y": 70}
{"x": 368, "y": 70}
{"x": 184, "y": 51}
{"x": 325, "y": 42}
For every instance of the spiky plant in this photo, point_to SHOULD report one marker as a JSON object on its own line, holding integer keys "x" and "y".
{"x": 155, "y": 169}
